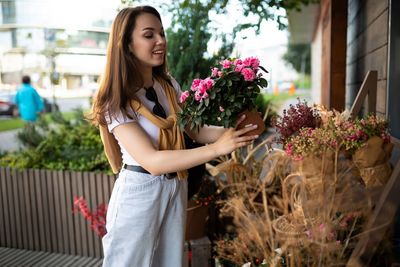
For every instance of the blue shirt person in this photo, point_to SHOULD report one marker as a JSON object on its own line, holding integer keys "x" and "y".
{"x": 28, "y": 100}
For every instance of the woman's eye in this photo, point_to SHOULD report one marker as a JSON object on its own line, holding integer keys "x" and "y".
{"x": 162, "y": 34}
{"x": 148, "y": 36}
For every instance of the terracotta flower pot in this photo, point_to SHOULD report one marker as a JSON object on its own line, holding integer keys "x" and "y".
{"x": 252, "y": 117}
{"x": 196, "y": 221}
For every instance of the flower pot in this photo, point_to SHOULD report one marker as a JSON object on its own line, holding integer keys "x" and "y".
{"x": 252, "y": 117}
{"x": 372, "y": 160}
{"x": 196, "y": 220}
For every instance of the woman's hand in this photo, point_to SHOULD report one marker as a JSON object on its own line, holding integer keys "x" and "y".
{"x": 232, "y": 139}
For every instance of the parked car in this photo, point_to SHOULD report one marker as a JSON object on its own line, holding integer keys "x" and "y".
{"x": 9, "y": 108}
{"x": 7, "y": 104}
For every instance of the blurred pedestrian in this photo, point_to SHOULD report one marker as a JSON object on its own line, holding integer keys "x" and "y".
{"x": 29, "y": 102}
{"x": 135, "y": 108}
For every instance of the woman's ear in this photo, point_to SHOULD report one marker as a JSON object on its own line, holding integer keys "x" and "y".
{"x": 130, "y": 48}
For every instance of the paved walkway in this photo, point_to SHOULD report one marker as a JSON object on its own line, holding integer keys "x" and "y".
{"x": 8, "y": 141}
{"x": 22, "y": 258}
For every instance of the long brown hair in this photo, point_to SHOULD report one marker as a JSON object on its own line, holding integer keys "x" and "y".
{"x": 122, "y": 78}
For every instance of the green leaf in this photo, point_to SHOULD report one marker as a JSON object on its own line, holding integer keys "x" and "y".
{"x": 212, "y": 95}
{"x": 207, "y": 102}
{"x": 263, "y": 83}
{"x": 226, "y": 123}
{"x": 261, "y": 67}
{"x": 235, "y": 78}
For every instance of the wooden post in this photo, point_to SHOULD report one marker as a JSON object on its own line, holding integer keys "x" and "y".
{"x": 333, "y": 18}
{"x": 201, "y": 252}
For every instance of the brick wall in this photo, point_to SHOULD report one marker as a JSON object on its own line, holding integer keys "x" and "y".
{"x": 367, "y": 47}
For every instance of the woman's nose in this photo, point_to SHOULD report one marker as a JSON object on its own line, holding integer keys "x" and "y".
{"x": 161, "y": 40}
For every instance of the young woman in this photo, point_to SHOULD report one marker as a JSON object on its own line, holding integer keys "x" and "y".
{"x": 135, "y": 109}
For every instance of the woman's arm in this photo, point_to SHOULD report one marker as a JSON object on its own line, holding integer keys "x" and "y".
{"x": 158, "y": 162}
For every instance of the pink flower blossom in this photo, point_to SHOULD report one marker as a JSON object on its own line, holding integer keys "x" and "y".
{"x": 209, "y": 83}
{"x": 226, "y": 64}
{"x": 195, "y": 84}
{"x": 238, "y": 65}
{"x": 252, "y": 62}
{"x": 214, "y": 72}
{"x": 202, "y": 87}
{"x": 248, "y": 74}
{"x": 201, "y": 93}
{"x": 221, "y": 109}
{"x": 197, "y": 95}
{"x": 219, "y": 73}
{"x": 183, "y": 97}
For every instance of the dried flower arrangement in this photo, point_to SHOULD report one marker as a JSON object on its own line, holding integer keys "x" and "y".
{"x": 285, "y": 216}
{"x": 308, "y": 132}
{"x": 276, "y": 223}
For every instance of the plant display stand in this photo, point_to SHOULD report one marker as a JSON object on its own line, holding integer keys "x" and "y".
{"x": 198, "y": 253}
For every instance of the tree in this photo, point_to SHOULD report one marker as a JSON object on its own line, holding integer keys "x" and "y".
{"x": 262, "y": 10}
{"x": 299, "y": 56}
{"x": 188, "y": 39}
{"x": 189, "y": 34}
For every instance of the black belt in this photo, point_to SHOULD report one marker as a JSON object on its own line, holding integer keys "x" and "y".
{"x": 140, "y": 169}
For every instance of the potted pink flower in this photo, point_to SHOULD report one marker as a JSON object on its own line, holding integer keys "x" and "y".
{"x": 218, "y": 100}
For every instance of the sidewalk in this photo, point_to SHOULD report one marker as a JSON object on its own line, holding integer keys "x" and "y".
{"x": 9, "y": 141}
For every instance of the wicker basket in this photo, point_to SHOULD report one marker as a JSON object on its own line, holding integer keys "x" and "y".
{"x": 289, "y": 228}
{"x": 377, "y": 175}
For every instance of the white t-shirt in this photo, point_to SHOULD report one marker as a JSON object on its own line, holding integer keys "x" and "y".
{"x": 148, "y": 127}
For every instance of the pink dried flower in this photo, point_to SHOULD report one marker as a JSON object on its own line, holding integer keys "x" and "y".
{"x": 296, "y": 117}
{"x": 221, "y": 109}
{"x": 289, "y": 149}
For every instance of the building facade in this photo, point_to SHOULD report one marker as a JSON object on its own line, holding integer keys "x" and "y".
{"x": 57, "y": 47}
{"x": 348, "y": 39}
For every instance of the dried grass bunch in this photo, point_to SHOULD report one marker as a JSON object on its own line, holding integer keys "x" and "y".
{"x": 284, "y": 215}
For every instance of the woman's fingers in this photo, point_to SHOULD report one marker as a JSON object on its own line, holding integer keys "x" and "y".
{"x": 240, "y": 120}
{"x": 246, "y": 138}
{"x": 246, "y": 129}
{"x": 242, "y": 141}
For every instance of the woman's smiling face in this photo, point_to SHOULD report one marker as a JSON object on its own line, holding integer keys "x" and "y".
{"x": 148, "y": 41}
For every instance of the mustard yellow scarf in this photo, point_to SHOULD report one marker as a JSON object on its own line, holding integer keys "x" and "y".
{"x": 170, "y": 137}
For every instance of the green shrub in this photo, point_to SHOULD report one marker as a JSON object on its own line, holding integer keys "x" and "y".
{"x": 59, "y": 144}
